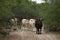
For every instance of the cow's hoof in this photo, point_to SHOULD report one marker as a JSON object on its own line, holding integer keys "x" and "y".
{"x": 39, "y": 33}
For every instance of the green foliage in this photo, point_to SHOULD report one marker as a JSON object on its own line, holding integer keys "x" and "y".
{"x": 4, "y": 33}
{"x": 51, "y": 16}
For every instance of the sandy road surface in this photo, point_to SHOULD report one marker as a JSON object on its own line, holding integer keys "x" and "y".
{"x": 25, "y": 34}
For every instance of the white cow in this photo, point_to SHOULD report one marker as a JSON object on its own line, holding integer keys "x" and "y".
{"x": 25, "y": 22}
{"x": 14, "y": 21}
{"x": 32, "y": 22}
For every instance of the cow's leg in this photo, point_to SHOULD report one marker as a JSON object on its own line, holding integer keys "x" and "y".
{"x": 37, "y": 30}
{"x": 40, "y": 31}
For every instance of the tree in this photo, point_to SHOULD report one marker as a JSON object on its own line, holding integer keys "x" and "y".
{"x": 51, "y": 15}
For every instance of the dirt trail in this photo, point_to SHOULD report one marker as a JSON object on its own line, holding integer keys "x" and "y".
{"x": 25, "y": 34}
